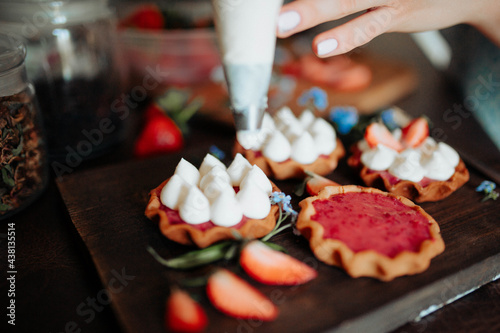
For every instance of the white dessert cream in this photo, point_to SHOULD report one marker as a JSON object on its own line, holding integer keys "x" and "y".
{"x": 246, "y": 32}
{"x": 379, "y": 158}
{"x": 301, "y": 139}
{"x": 238, "y": 169}
{"x": 436, "y": 161}
{"x": 213, "y": 197}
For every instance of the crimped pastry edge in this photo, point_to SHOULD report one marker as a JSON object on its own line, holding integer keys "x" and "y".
{"x": 367, "y": 263}
{"x": 188, "y": 235}
{"x": 291, "y": 169}
{"x": 435, "y": 191}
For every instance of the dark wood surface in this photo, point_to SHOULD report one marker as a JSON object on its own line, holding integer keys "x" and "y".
{"x": 110, "y": 218}
{"x": 57, "y": 272}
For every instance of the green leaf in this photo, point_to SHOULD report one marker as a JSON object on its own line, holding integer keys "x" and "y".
{"x": 194, "y": 258}
{"x": 4, "y": 207}
{"x": 275, "y": 246}
{"x": 8, "y": 167}
{"x": 9, "y": 181}
{"x": 173, "y": 100}
{"x": 17, "y": 151}
{"x": 187, "y": 112}
{"x": 231, "y": 251}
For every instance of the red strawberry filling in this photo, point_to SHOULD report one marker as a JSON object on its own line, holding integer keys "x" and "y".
{"x": 371, "y": 221}
{"x": 394, "y": 180}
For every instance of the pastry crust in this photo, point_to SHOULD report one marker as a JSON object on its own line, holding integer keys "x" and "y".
{"x": 434, "y": 191}
{"x": 368, "y": 262}
{"x": 186, "y": 234}
{"x": 290, "y": 168}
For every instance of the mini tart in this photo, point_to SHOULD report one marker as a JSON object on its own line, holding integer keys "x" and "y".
{"x": 384, "y": 247}
{"x": 427, "y": 190}
{"x": 290, "y": 168}
{"x": 205, "y": 234}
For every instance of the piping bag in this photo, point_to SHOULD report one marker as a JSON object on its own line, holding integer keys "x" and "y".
{"x": 246, "y": 33}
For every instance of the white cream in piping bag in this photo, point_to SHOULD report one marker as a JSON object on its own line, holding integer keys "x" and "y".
{"x": 213, "y": 197}
{"x": 246, "y": 32}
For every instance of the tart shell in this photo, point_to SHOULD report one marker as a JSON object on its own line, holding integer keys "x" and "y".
{"x": 186, "y": 234}
{"x": 367, "y": 263}
{"x": 434, "y": 191}
{"x": 290, "y": 168}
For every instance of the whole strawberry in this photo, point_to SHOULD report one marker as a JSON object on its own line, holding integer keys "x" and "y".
{"x": 160, "y": 135}
{"x": 165, "y": 124}
{"x": 145, "y": 17}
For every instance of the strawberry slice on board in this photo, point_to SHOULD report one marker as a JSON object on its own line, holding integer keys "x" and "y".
{"x": 184, "y": 314}
{"x": 272, "y": 267}
{"x": 315, "y": 183}
{"x": 415, "y": 132}
{"x": 159, "y": 135}
{"x": 237, "y": 298}
{"x": 377, "y": 133}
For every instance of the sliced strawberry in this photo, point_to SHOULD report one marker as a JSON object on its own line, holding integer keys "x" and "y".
{"x": 159, "y": 135}
{"x": 273, "y": 267}
{"x": 235, "y": 297}
{"x": 183, "y": 314}
{"x": 377, "y": 133}
{"x": 316, "y": 183}
{"x": 415, "y": 132}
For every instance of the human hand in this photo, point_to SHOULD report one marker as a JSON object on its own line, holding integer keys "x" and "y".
{"x": 381, "y": 16}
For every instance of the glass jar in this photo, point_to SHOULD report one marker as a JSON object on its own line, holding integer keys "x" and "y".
{"x": 22, "y": 151}
{"x": 75, "y": 67}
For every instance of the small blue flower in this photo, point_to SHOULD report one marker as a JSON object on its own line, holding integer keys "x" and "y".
{"x": 486, "y": 186}
{"x": 318, "y": 97}
{"x": 284, "y": 201}
{"x": 277, "y": 197}
{"x": 214, "y": 150}
{"x": 287, "y": 207}
{"x": 345, "y": 117}
{"x": 388, "y": 117}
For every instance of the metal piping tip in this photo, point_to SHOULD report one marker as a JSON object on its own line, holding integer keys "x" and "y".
{"x": 248, "y": 123}
{"x": 249, "y": 118}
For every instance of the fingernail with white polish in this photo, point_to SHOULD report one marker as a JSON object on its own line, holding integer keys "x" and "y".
{"x": 326, "y": 46}
{"x": 288, "y": 20}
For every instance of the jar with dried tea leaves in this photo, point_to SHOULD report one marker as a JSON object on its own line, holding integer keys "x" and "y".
{"x": 22, "y": 151}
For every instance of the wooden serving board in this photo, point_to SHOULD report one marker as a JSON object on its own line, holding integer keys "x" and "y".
{"x": 391, "y": 81}
{"x": 106, "y": 206}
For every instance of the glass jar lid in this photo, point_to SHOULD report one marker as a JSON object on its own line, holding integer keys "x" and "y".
{"x": 46, "y": 13}
{"x": 12, "y": 53}
{"x": 12, "y": 70}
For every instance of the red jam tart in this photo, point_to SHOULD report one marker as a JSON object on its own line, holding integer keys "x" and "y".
{"x": 368, "y": 232}
{"x": 426, "y": 190}
{"x": 291, "y": 169}
{"x": 202, "y": 235}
